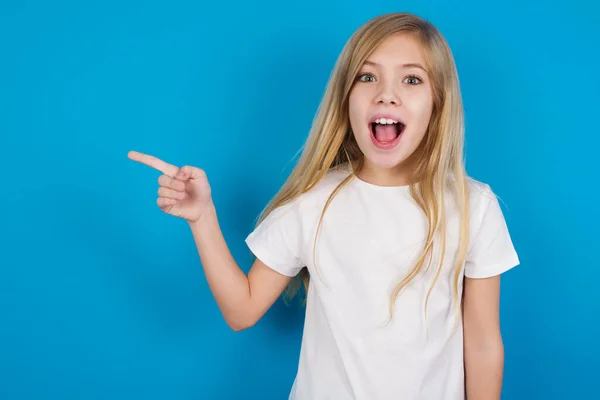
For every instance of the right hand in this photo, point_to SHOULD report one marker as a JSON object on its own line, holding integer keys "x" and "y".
{"x": 183, "y": 192}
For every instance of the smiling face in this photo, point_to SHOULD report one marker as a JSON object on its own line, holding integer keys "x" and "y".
{"x": 390, "y": 107}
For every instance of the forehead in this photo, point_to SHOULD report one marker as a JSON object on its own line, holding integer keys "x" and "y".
{"x": 401, "y": 48}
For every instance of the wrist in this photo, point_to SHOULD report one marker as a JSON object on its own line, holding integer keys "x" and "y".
{"x": 207, "y": 211}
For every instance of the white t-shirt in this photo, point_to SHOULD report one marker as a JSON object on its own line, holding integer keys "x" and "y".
{"x": 369, "y": 240}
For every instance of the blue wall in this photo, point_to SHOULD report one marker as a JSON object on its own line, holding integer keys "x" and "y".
{"x": 102, "y": 296}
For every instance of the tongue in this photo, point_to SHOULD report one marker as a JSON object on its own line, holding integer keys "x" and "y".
{"x": 385, "y": 133}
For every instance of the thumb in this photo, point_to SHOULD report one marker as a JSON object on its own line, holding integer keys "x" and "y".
{"x": 187, "y": 172}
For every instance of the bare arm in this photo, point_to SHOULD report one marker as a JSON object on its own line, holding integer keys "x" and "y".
{"x": 242, "y": 299}
{"x": 483, "y": 350}
{"x": 185, "y": 193}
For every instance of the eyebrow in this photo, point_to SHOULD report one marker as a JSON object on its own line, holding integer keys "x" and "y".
{"x": 409, "y": 65}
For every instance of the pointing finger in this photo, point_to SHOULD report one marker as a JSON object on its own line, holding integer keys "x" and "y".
{"x": 153, "y": 162}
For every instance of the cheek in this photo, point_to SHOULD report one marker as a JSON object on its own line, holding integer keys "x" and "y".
{"x": 356, "y": 112}
{"x": 421, "y": 110}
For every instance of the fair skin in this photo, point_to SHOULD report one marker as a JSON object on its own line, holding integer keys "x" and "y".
{"x": 185, "y": 193}
{"x": 394, "y": 81}
{"x": 483, "y": 346}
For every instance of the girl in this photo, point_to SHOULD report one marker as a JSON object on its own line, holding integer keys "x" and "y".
{"x": 403, "y": 249}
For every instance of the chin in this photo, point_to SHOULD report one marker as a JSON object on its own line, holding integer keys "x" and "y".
{"x": 387, "y": 162}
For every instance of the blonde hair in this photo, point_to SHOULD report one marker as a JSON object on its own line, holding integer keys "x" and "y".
{"x": 439, "y": 157}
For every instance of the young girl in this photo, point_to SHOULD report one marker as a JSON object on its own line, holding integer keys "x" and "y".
{"x": 403, "y": 249}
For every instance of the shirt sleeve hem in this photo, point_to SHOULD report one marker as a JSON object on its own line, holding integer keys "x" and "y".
{"x": 493, "y": 270}
{"x": 264, "y": 256}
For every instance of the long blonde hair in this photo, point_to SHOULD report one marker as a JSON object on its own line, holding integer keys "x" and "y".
{"x": 439, "y": 166}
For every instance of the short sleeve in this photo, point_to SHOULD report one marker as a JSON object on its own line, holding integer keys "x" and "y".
{"x": 491, "y": 252}
{"x": 277, "y": 240}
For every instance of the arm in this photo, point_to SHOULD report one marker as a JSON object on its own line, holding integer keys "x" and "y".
{"x": 242, "y": 299}
{"x": 483, "y": 349}
{"x": 185, "y": 192}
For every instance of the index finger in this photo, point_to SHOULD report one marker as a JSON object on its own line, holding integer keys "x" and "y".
{"x": 151, "y": 161}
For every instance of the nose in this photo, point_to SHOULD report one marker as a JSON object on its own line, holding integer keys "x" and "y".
{"x": 387, "y": 95}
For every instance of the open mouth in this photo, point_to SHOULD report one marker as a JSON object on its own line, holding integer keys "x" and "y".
{"x": 386, "y": 130}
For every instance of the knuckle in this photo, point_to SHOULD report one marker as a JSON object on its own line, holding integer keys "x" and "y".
{"x": 165, "y": 180}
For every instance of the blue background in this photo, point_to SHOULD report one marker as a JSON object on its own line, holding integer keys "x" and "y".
{"x": 102, "y": 295}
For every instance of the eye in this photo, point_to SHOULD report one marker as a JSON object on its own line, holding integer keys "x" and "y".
{"x": 366, "y": 77}
{"x": 413, "y": 80}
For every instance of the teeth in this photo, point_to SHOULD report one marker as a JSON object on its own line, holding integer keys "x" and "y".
{"x": 385, "y": 121}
